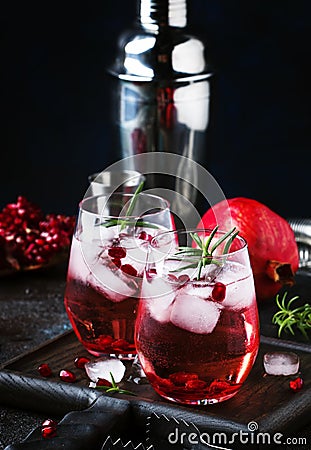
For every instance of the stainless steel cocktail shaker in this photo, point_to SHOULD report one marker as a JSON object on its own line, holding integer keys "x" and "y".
{"x": 162, "y": 92}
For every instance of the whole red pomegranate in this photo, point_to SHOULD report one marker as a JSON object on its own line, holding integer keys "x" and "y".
{"x": 271, "y": 242}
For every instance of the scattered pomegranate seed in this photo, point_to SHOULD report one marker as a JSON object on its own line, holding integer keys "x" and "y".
{"x": 80, "y": 361}
{"x": 296, "y": 385}
{"x": 219, "y": 292}
{"x": 49, "y": 423}
{"x": 48, "y": 432}
{"x": 103, "y": 382}
{"x": 49, "y": 428}
{"x": 67, "y": 375}
{"x": 44, "y": 370}
{"x": 129, "y": 270}
{"x": 181, "y": 378}
{"x": 117, "y": 252}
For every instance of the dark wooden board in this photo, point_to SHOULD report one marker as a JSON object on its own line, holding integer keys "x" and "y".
{"x": 264, "y": 399}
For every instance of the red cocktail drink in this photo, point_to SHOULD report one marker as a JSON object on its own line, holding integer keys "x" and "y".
{"x": 197, "y": 337}
{"x": 106, "y": 264}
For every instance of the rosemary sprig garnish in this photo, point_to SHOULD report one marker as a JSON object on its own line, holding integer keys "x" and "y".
{"x": 288, "y": 319}
{"x": 127, "y": 221}
{"x": 204, "y": 252}
{"x": 114, "y": 388}
{"x": 133, "y": 200}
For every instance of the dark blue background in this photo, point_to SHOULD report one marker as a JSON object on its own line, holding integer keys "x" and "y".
{"x": 55, "y": 126}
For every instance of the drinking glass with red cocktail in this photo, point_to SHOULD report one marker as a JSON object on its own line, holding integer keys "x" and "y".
{"x": 106, "y": 265}
{"x": 197, "y": 328}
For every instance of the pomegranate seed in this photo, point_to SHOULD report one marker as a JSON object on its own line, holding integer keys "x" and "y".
{"x": 44, "y": 370}
{"x": 195, "y": 385}
{"x": 183, "y": 278}
{"x": 219, "y": 386}
{"x": 103, "y": 382}
{"x": 80, "y": 361}
{"x": 20, "y": 240}
{"x": 150, "y": 273}
{"x": 67, "y": 375}
{"x": 117, "y": 252}
{"x": 181, "y": 378}
{"x": 48, "y": 432}
{"x": 172, "y": 277}
{"x": 40, "y": 260}
{"x": 129, "y": 270}
{"x": 165, "y": 383}
{"x": 21, "y": 211}
{"x": 219, "y": 292}
{"x": 117, "y": 262}
{"x": 105, "y": 340}
{"x": 49, "y": 423}
{"x": 29, "y": 249}
{"x": 120, "y": 344}
{"x": 296, "y": 385}
{"x": 144, "y": 236}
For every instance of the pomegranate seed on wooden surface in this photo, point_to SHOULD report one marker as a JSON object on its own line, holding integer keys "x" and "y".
{"x": 44, "y": 370}
{"x": 80, "y": 361}
{"x": 67, "y": 375}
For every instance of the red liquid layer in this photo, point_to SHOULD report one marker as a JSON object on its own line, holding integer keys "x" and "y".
{"x": 195, "y": 368}
{"x": 102, "y": 325}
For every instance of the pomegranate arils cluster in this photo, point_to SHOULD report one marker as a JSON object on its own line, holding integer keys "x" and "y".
{"x": 29, "y": 238}
{"x": 116, "y": 253}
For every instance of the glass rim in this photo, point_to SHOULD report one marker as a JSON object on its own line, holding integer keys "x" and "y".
{"x": 132, "y": 175}
{"x": 165, "y": 204}
{"x": 207, "y": 231}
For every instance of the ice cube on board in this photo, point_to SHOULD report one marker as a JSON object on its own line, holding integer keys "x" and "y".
{"x": 281, "y": 363}
{"x": 102, "y": 367}
{"x": 194, "y": 314}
